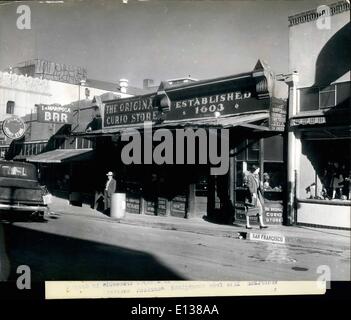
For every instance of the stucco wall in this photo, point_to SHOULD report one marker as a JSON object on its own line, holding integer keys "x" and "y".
{"x": 324, "y": 215}
{"x": 28, "y": 91}
{"x": 320, "y": 55}
{"x": 24, "y": 91}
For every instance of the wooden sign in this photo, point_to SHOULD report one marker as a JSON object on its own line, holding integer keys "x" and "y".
{"x": 132, "y": 204}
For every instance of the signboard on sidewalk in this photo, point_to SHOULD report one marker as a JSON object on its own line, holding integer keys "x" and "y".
{"x": 273, "y": 213}
{"x": 132, "y": 204}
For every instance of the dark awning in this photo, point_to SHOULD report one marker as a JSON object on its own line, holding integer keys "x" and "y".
{"x": 62, "y": 155}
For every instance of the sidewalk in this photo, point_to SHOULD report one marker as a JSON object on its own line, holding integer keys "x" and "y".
{"x": 297, "y": 235}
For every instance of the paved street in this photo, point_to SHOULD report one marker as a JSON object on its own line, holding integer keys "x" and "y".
{"x": 73, "y": 247}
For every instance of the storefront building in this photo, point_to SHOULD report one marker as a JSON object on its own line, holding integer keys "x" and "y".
{"x": 168, "y": 184}
{"x": 320, "y": 117}
{"x": 63, "y": 161}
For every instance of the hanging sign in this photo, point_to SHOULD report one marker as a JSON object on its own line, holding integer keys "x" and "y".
{"x": 14, "y": 127}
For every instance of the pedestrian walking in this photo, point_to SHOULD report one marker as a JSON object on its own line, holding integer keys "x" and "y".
{"x": 110, "y": 189}
{"x": 254, "y": 203}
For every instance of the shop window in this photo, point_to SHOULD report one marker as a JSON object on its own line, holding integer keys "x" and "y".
{"x": 247, "y": 154}
{"x": 325, "y": 170}
{"x": 248, "y": 150}
{"x": 273, "y": 180}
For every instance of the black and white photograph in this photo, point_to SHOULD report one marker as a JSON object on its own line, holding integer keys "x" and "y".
{"x": 164, "y": 140}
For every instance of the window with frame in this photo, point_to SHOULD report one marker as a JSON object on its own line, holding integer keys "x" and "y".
{"x": 10, "y": 107}
{"x": 327, "y": 97}
{"x": 247, "y": 154}
{"x": 273, "y": 175}
{"x": 316, "y": 98}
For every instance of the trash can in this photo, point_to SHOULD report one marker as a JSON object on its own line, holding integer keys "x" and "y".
{"x": 118, "y": 205}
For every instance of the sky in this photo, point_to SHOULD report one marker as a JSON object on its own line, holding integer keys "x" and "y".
{"x": 156, "y": 39}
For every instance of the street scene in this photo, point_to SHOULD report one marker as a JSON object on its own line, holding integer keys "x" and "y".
{"x": 76, "y": 246}
{"x": 175, "y": 140}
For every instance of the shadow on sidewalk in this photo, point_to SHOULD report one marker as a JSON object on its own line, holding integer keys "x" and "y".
{"x": 56, "y": 257}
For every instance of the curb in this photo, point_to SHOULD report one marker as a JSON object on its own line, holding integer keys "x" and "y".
{"x": 236, "y": 233}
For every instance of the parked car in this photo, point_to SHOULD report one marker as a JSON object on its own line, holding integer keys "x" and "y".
{"x": 20, "y": 189}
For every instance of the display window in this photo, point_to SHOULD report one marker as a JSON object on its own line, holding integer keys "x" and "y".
{"x": 271, "y": 164}
{"x": 273, "y": 180}
{"x": 325, "y": 170}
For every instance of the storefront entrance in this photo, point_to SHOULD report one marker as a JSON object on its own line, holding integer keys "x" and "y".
{"x": 268, "y": 154}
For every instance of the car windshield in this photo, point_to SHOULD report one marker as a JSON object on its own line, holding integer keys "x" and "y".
{"x": 17, "y": 171}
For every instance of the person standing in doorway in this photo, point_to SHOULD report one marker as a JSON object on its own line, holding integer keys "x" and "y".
{"x": 110, "y": 189}
{"x": 256, "y": 198}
